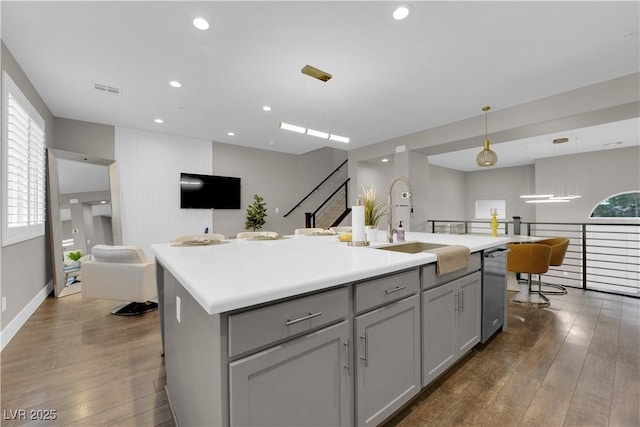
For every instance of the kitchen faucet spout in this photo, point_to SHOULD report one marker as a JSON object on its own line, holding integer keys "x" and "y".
{"x": 390, "y": 204}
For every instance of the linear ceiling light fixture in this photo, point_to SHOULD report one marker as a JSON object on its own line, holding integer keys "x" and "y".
{"x": 547, "y": 200}
{"x": 292, "y": 128}
{"x": 313, "y": 132}
{"x": 536, "y": 196}
{"x": 569, "y": 197}
{"x": 486, "y": 157}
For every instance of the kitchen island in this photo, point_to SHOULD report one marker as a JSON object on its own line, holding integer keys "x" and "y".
{"x": 310, "y": 331}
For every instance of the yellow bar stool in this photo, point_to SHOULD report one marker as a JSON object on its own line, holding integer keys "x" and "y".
{"x": 559, "y": 247}
{"x": 529, "y": 258}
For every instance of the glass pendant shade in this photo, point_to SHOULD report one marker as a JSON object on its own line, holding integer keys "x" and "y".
{"x": 486, "y": 157}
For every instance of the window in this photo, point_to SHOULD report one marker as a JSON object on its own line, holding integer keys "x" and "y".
{"x": 23, "y": 166}
{"x": 625, "y": 205}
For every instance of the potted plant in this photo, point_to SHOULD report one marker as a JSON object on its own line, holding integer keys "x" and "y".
{"x": 256, "y": 214}
{"x": 75, "y": 257}
{"x": 374, "y": 209}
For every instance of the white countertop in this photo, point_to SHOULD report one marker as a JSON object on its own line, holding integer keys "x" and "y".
{"x": 242, "y": 273}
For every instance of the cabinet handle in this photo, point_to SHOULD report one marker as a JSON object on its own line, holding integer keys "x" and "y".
{"x": 302, "y": 319}
{"x": 461, "y": 299}
{"x": 365, "y": 358}
{"x": 346, "y": 348}
{"x": 396, "y": 289}
{"x": 456, "y": 304}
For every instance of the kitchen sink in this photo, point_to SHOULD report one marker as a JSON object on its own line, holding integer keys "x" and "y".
{"x": 412, "y": 247}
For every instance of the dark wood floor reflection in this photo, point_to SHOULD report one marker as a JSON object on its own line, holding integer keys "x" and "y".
{"x": 576, "y": 363}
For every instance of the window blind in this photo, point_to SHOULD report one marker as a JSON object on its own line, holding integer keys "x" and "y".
{"x": 23, "y": 167}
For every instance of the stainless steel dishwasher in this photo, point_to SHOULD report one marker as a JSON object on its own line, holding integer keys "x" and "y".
{"x": 494, "y": 291}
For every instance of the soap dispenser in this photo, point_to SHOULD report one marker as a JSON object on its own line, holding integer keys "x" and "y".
{"x": 400, "y": 232}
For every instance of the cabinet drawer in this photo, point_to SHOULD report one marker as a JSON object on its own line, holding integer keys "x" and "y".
{"x": 373, "y": 293}
{"x": 262, "y": 326}
{"x": 431, "y": 279}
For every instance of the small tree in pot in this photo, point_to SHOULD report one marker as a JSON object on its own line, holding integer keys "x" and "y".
{"x": 256, "y": 214}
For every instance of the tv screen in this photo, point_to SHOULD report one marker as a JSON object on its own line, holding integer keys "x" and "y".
{"x": 209, "y": 191}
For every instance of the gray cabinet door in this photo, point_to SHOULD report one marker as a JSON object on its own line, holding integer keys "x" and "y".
{"x": 304, "y": 382}
{"x": 468, "y": 320}
{"x": 438, "y": 328}
{"x": 451, "y": 324}
{"x": 387, "y": 359}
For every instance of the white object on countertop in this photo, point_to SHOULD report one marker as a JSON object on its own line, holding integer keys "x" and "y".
{"x": 357, "y": 224}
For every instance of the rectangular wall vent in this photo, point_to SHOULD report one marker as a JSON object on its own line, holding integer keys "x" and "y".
{"x": 106, "y": 89}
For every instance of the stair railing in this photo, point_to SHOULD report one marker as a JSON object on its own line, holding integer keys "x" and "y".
{"x": 310, "y": 217}
{"x": 316, "y": 188}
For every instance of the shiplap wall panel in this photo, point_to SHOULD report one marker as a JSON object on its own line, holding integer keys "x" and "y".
{"x": 149, "y": 165}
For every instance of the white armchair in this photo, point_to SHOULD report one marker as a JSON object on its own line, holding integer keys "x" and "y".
{"x": 120, "y": 273}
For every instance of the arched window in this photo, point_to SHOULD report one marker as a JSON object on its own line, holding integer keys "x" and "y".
{"x": 624, "y": 205}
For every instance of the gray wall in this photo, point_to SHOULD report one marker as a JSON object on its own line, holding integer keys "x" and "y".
{"x": 25, "y": 266}
{"x": 87, "y": 138}
{"x": 595, "y": 176}
{"x": 420, "y": 177}
{"x": 502, "y": 184}
{"x": 281, "y": 179}
{"x": 448, "y": 195}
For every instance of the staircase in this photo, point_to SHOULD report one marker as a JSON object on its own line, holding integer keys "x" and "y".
{"x": 333, "y": 210}
{"x": 334, "y": 213}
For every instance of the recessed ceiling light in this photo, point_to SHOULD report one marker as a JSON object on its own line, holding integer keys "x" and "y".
{"x": 271, "y": 143}
{"x": 175, "y": 83}
{"x": 159, "y": 121}
{"x": 231, "y": 133}
{"x": 103, "y": 202}
{"x": 385, "y": 160}
{"x": 201, "y": 24}
{"x": 400, "y": 13}
{"x": 266, "y": 108}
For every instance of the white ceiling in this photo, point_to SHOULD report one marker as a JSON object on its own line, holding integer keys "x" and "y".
{"x": 390, "y": 78}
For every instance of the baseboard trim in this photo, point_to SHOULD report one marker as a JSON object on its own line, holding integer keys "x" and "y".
{"x": 10, "y": 331}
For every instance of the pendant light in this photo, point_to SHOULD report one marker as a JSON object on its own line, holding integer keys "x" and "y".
{"x": 486, "y": 157}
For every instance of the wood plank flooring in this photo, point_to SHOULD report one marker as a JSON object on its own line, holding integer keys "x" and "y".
{"x": 576, "y": 363}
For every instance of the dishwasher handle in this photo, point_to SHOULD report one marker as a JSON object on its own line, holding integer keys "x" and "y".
{"x": 497, "y": 253}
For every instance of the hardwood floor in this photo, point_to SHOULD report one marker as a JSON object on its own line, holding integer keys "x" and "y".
{"x": 92, "y": 368}
{"x": 576, "y": 363}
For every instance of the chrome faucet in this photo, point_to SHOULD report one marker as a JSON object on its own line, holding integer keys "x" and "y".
{"x": 390, "y": 205}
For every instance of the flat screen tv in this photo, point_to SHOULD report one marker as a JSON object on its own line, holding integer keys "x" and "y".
{"x": 209, "y": 191}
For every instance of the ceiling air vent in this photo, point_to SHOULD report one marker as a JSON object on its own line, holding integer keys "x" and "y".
{"x": 106, "y": 89}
